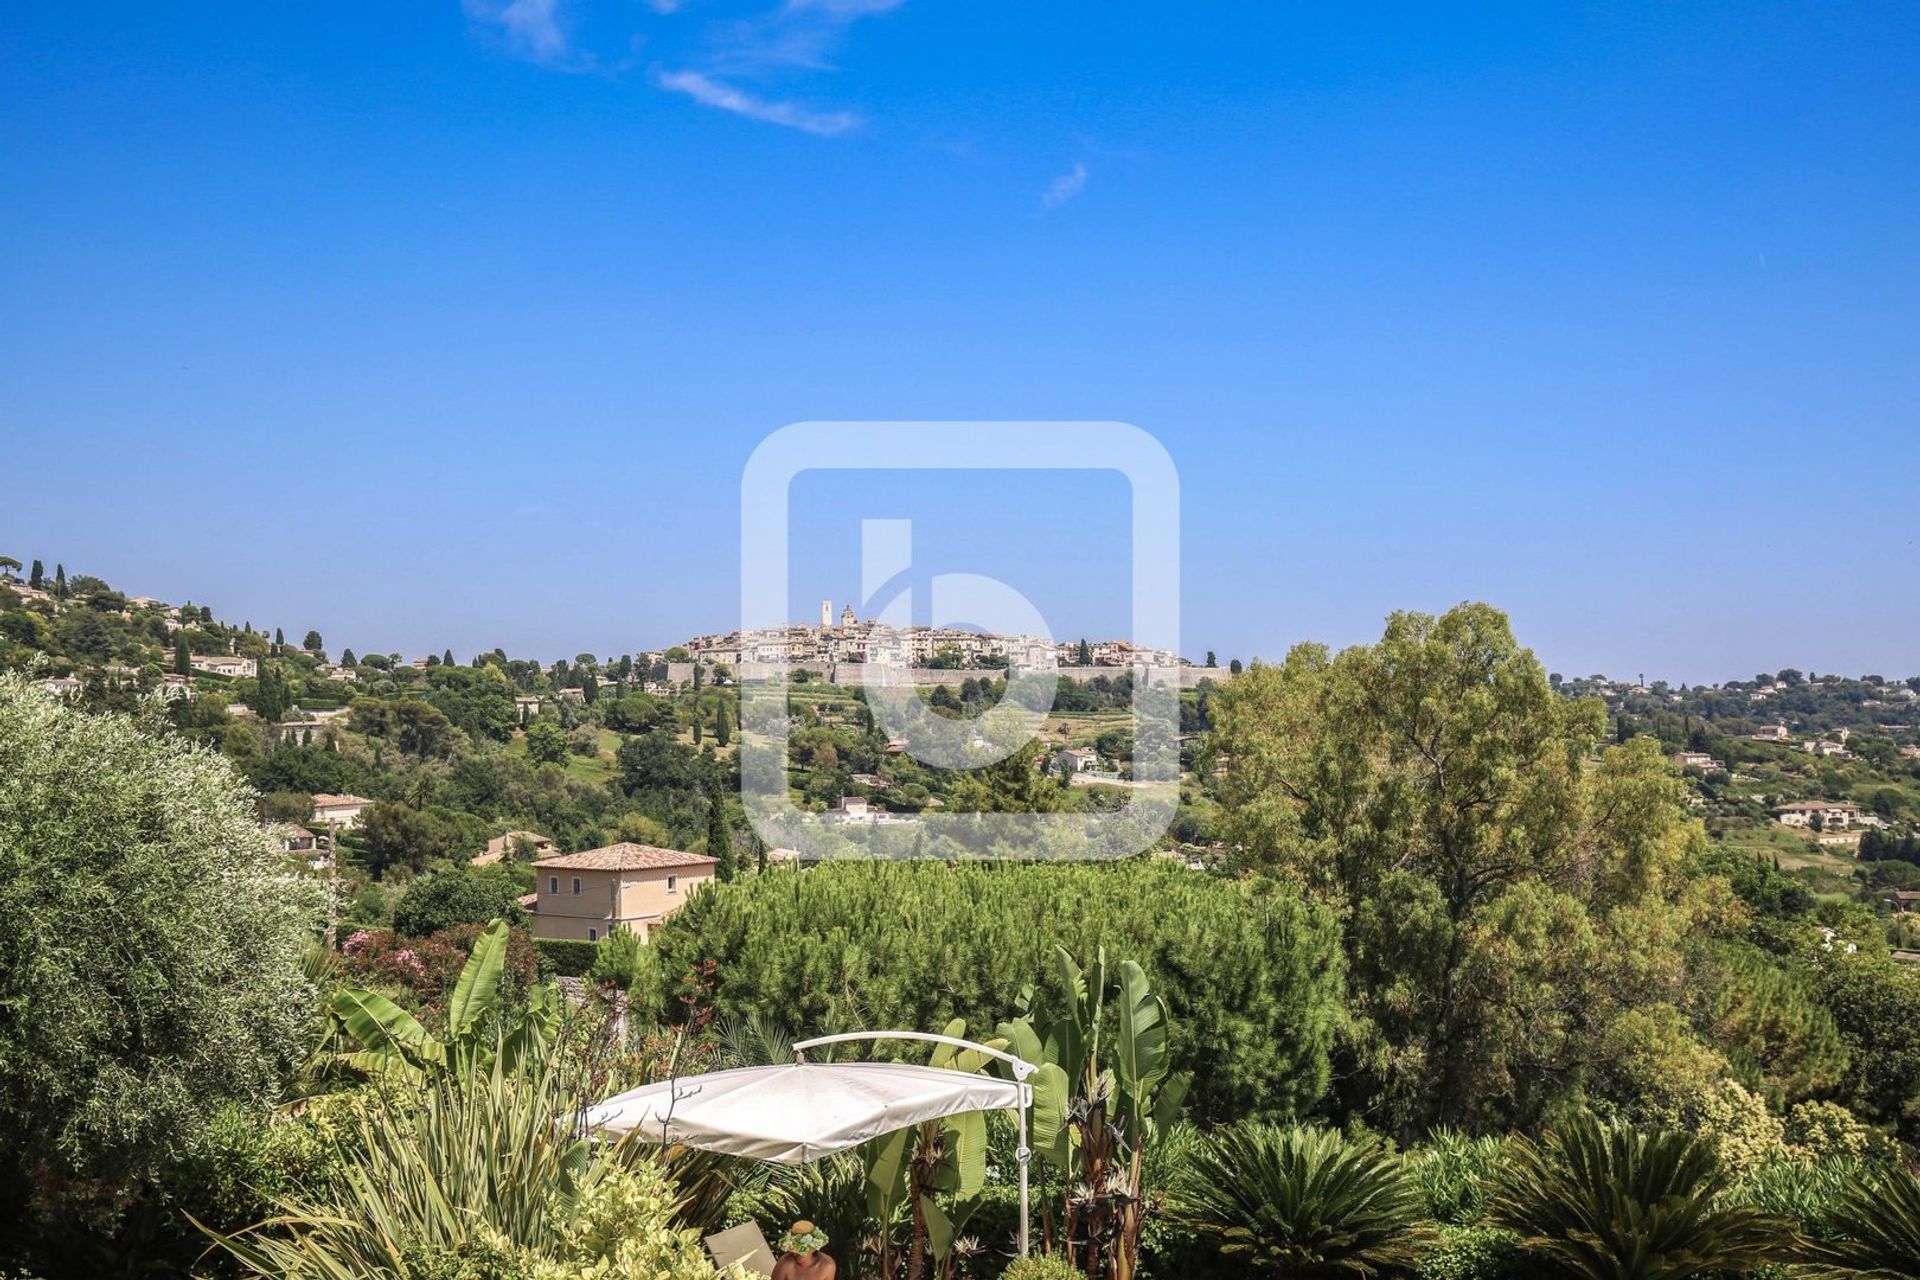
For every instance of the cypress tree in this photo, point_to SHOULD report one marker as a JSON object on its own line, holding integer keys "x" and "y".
{"x": 60, "y": 581}
{"x": 182, "y": 657}
{"x": 38, "y": 577}
{"x": 719, "y": 835}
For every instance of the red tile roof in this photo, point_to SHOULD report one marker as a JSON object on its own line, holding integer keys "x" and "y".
{"x": 625, "y": 856}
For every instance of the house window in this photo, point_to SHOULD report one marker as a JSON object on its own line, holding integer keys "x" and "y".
{"x": 576, "y": 886}
{"x": 593, "y": 934}
{"x": 553, "y": 884}
{"x": 673, "y": 884}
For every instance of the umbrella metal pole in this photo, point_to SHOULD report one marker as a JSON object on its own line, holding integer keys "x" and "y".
{"x": 1023, "y": 1157}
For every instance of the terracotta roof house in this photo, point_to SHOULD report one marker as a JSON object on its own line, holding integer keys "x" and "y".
{"x": 586, "y": 895}
{"x": 502, "y": 845}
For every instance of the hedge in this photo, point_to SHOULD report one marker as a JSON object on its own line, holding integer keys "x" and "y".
{"x": 1254, "y": 977}
{"x": 564, "y": 957}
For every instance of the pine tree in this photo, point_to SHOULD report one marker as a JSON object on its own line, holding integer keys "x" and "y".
{"x": 347, "y": 659}
{"x": 314, "y": 644}
{"x": 37, "y": 579}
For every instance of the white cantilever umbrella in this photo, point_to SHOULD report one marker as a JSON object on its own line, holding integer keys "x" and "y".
{"x": 804, "y": 1111}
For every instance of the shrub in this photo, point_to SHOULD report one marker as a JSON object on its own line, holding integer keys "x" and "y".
{"x": 427, "y": 968}
{"x": 1252, "y": 978}
{"x": 466, "y": 895}
{"x": 1474, "y": 1253}
{"x": 1599, "y": 1200}
{"x": 1040, "y": 1268}
{"x": 1874, "y": 1226}
{"x": 619, "y": 958}
{"x": 1298, "y": 1201}
{"x": 565, "y": 957}
{"x": 480, "y": 1178}
{"x": 1455, "y": 1174}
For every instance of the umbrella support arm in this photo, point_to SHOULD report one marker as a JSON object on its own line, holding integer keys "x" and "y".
{"x": 1021, "y": 1068}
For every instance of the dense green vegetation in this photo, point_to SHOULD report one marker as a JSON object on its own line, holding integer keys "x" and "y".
{"x": 1254, "y": 976}
{"x": 1449, "y": 971}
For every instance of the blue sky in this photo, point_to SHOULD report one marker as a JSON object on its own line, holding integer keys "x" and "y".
{"x": 434, "y": 324}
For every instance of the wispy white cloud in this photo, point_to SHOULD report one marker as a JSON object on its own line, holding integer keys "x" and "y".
{"x": 530, "y": 27}
{"x": 845, "y": 8}
{"x": 726, "y": 61}
{"x": 1065, "y": 187}
{"x": 716, "y": 93}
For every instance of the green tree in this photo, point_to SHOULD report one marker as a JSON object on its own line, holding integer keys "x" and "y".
{"x": 182, "y": 657}
{"x": 314, "y": 644}
{"x": 1506, "y": 887}
{"x": 461, "y": 895}
{"x": 9, "y": 565}
{"x": 115, "y": 1057}
{"x": 398, "y": 834}
{"x": 719, "y": 832}
{"x": 60, "y": 581}
{"x": 546, "y": 743}
{"x": 37, "y": 576}
{"x": 272, "y": 693}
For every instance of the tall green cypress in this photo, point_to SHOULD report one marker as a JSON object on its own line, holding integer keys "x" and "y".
{"x": 37, "y": 579}
{"x": 719, "y": 835}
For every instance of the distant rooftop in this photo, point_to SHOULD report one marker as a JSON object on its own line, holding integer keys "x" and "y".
{"x": 625, "y": 856}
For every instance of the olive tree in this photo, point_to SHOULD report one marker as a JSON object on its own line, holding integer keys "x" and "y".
{"x": 151, "y": 956}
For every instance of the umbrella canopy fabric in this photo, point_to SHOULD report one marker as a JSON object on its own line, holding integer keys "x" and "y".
{"x": 799, "y": 1112}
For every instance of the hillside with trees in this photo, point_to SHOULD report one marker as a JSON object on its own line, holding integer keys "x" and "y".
{"x": 1449, "y": 968}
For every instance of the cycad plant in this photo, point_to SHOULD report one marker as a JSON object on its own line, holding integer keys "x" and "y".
{"x": 1873, "y": 1229}
{"x": 1297, "y": 1201}
{"x": 1602, "y": 1201}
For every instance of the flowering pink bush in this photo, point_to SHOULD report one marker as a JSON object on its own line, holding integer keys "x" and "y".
{"x": 425, "y": 969}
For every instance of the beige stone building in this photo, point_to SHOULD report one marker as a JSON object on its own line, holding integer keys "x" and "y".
{"x": 584, "y": 895}
{"x": 338, "y": 811}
